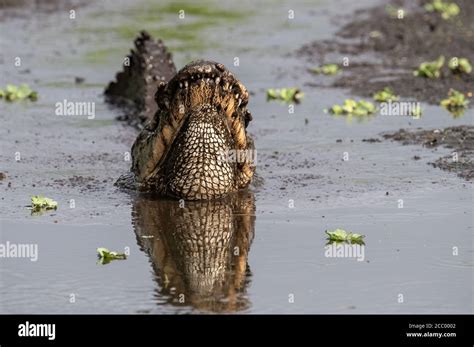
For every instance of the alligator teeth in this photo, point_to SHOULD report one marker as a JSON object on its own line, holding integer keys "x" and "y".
{"x": 180, "y": 85}
{"x": 236, "y": 96}
{"x": 218, "y": 79}
{"x": 185, "y": 84}
{"x": 240, "y": 101}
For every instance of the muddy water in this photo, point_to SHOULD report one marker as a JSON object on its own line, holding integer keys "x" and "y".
{"x": 418, "y": 258}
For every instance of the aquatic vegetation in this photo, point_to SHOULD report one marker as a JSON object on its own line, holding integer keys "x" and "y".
{"x": 340, "y": 235}
{"x": 182, "y": 25}
{"x": 39, "y": 203}
{"x": 446, "y": 9}
{"x": 375, "y": 34}
{"x": 352, "y": 107}
{"x": 203, "y": 9}
{"x": 393, "y": 11}
{"x": 416, "y": 112}
{"x": 385, "y": 95}
{"x": 13, "y": 93}
{"x": 106, "y": 256}
{"x": 430, "y": 69}
{"x": 103, "y": 55}
{"x": 328, "y": 69}
{"x": 285, "y": 94}
{"x": 459, "y": 65}
{"x": 455, "y": 103}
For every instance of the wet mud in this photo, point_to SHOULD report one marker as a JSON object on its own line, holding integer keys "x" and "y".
{"x": 384, "y": 50}
{"x": 459, "y": 139}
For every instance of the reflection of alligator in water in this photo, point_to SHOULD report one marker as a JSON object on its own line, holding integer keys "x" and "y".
{"x": 199, "y": 249}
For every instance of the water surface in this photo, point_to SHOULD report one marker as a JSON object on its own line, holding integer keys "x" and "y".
{"x": 184, "y": 259}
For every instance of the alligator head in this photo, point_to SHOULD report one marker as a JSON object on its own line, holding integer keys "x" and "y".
{"x": 196, "y": 146}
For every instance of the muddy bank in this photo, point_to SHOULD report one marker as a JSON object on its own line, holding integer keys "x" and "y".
{"x": 460, "y": 139}
{"x": 383, "y": 50}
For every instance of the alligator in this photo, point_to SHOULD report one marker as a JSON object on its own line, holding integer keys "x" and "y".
{"x": 193, "y": 144}
{"x": 198, "y": 250}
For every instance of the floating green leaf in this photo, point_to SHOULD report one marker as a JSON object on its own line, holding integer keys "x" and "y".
{"x": 285, "y": 94}
{"x": 460, "y": 65}
{"x": 455, "y": 103}
{"x": 340, "y": 235}
{"x": 352, "y": 107}
{"x": 416, "y": 112}
{"x": 337, "y": 235}
{"x": 385, "y": 95}
{"x": 12, "y": 93}
{"x": 430, "y": 69}
{"x": 393, "y": 11}
{"x": 375, "y": 34}
{"x": 39, "y": 202}
{"x": 447, "y": 9}
{"x": 328, "y": 69}
{"x": 106, "y": 256}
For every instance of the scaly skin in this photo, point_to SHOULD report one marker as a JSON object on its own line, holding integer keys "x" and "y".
{"x": 149, "y": 63}
{"x": 198, "y": 250}
{"x": 183, "y": 151}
